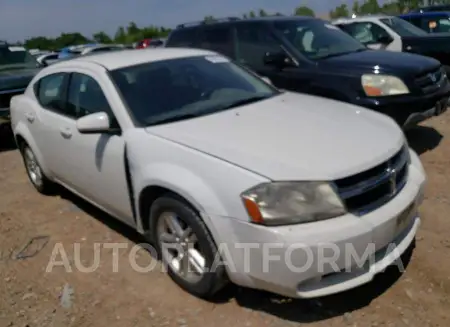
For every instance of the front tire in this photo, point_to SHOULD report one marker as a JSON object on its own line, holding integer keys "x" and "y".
{"x": 34, "y": 171}
{"x": 186, "y": 247}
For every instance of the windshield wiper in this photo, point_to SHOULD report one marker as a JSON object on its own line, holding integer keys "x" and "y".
{"x": 246, "y": 101}
{"x": 171, "y": 119}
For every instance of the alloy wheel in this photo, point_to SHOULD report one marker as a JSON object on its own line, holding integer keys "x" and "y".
{"x": 179, "y": 248}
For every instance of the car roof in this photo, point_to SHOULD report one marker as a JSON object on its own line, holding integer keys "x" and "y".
{"x": 236, "y": 20}
{"x": 360, "y": 19}
{"x": 120, "y": 59}
{"x": 426, "y": 14}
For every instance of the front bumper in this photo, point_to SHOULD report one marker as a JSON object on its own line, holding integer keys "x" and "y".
{"x": 409, "y": 110}
{"x": 290, "y": 260}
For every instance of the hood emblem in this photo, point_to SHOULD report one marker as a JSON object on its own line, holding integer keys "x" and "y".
{"x": 433, "y": 78}
{"x": 392, "y": 176}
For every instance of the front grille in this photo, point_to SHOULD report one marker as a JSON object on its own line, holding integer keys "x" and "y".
{"x": 370, "y": 189}
{"x": 430, "y": 81}
{"x": 5, "y": 97}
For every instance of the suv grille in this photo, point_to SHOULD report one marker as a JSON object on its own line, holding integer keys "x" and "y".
{"x": 370, "y": 189}
{"x": 431, "y": 81}
{"x": 5, "y": 97}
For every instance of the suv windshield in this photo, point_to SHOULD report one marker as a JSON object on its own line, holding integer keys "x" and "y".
{"x": 171, "y": 90}
{"x": 317, "y": 39}
{"x": 402, "y": 27}
{"x": 16, "y": 57}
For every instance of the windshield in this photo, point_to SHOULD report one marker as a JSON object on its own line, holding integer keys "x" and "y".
{"x": 402, "y": 27}
{"x": 317, "y": 39}
{"x": 171, "y": 90}
{"x": 16, "y": 57}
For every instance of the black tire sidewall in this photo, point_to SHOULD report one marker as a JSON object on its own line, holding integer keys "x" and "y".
{"x": 211, "y": 282}
{"x": 43, "y": 188}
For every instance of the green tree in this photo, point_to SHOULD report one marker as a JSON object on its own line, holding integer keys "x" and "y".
{"x": 304, "y": 11}
{"x": 370, "y": 7}
{"x": 209, "y": 19}
{"x": 339, "y": 11}
{"x": 355, "y": 8}
{"x": 102, "y": 37}
{"x": 262, "y": 13}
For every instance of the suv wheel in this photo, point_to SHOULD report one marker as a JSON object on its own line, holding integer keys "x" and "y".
{"x": 186, "y": 247}
{"x": 34, "y": 171}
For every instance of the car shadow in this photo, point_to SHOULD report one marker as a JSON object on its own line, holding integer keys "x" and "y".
{"x": 314, "y": 310}
{"x": 295, "y": 310}
{"x": 110, "y": 222}
{"x": 423, "y": 138}
{"x": 7, "y": 142}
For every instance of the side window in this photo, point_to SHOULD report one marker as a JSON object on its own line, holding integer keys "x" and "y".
{"x": 437, "y": 25}
{"x": 366, "y": 33}
{"x": 417, "y": 21}
{"x": 86, "y": 97}
{"x": 253, "y": 42}
{"x": 183, "y": 37}
{"x": 49, "y": 91}
{"x": 217, "y": 38}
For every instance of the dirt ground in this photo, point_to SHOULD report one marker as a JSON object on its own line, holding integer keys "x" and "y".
{"x": 30, "y": 296}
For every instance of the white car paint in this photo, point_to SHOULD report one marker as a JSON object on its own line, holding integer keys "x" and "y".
{"x": 102, "y": 48}
{"x": 212, "y": 159}
{"x": 47, "y": 58}
{"x": 395, "y": 45}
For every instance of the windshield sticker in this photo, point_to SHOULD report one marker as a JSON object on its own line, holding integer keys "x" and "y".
{"x": 16, "y": 49}
{"x": 216, "y": 59}
{"x": 331, "y": 27}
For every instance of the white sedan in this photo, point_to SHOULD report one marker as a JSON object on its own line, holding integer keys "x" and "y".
{"x": 231, "y": 179}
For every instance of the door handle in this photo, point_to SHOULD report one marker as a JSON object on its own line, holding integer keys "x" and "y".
{"x": 30, "y": 116}
{"x": 66, "y": 132}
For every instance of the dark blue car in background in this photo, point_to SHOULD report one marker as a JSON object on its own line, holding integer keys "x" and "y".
{"x": 430, "y": 22}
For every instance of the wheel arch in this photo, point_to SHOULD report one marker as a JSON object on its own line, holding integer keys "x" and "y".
{"x": 23, "y": 137}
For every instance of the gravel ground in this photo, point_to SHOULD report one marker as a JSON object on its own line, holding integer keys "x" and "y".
{"x": 30, "y": 296}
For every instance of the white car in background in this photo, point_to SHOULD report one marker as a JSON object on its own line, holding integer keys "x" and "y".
{"x": 47, "y": 58}
{"x": 200, "y": 154}
{"x": 101, "y": 48}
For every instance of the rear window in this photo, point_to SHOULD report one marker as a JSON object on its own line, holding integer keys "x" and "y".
{"x": 183, "y": 37}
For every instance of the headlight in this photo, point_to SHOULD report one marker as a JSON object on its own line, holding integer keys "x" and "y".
{"x": 282, "y": 203}
{"x": 383, "y": 85}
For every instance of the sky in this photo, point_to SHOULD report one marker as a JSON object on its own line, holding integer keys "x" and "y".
{"x": 22, "y": 19}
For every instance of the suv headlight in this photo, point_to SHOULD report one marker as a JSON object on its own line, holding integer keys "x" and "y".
{"x": 375, "y": 85}
{"x": 282, "y": 203}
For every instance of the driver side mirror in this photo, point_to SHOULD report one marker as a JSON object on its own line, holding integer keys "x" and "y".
{"x": 95, "y": 123}
{"x": 278, "y": 60}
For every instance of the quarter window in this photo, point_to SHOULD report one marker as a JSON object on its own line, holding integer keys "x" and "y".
{"x": 217, "y": 39}
{"x": 183, "y": 37}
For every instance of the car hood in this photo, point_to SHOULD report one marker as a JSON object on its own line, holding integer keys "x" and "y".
{"x": 291, "y": 137}
{"x": 16, "y": 78}
{"x": 380, "y": 60}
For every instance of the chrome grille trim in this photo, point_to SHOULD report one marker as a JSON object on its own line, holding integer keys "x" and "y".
{"x": 431, "y": 81}
{"x": 370, "y": 189}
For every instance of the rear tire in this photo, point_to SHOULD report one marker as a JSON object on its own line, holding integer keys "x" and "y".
{"x": 174, "y": 224}
{"x": 34, "y": 171}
